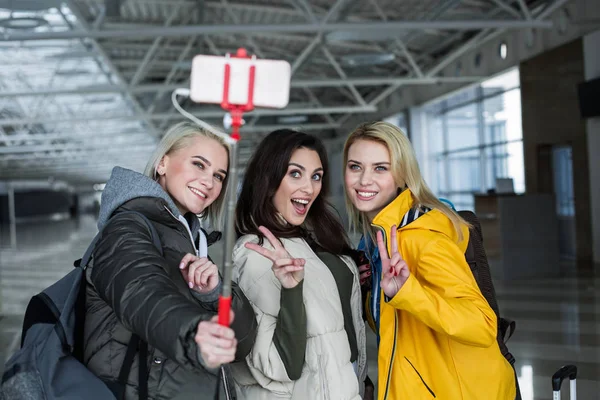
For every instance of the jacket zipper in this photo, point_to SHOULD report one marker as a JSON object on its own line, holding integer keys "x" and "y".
{"x": 187, "y": 228}
{"x": 228, "y": 395}
{"x": 225, "y": 384}
{"x": 389, "y": 374}
{"x": 422, "y": 380}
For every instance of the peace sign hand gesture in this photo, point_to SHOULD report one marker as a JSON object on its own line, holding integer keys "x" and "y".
{"x": 394, "y": 269}
{"x": 289, "y": 271}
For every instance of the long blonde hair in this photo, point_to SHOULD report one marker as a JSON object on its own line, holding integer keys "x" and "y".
{"x": 405, "y": 170}
{"x": 176, "y": 138}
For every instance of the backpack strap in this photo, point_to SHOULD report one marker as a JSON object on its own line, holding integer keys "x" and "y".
{"x": 507, "y": 327}
{"x": 472, "y": 261}
{"x": 143, "y": 371}
{"x": 136, "y": 345}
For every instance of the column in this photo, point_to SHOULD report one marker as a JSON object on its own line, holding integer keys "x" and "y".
{"x": 591, "y": 44}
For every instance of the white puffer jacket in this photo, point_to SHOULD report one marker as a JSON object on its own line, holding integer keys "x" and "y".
{"x": 328, "y": 373}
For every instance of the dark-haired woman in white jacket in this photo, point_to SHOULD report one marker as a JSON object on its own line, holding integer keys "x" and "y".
{"x": 292, "y": 262}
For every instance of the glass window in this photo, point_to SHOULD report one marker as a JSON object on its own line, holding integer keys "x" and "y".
{"x": 475, "y": 137}
{"x": 440, "y": 174}
{"x": 464, "y": 171}
{"x": 501, "y": 83}
{"x": 399, "y": 120}
{"x": 463, "y": 129}
{"x": 436, "y": 134}
{"x": 462, "y": 201}
{"x": 505, "y": 161}
{"x": 502, "y": 117}
{"x": 495, "y": 132}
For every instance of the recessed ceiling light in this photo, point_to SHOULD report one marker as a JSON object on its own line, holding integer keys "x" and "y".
{"x": 292, "y": 119}
{"x": 375, "y": 35}
{"x": 101, "y": 100}
{"x": 70, "y": 54}
{"x": 23, "y": 23}
{"x": 503, "y": 50}
{"x": 72, "y": 72}
{"x": 366, "y": 59}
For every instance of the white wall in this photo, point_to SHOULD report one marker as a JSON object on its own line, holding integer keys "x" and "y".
{"x": 591, "y": 53}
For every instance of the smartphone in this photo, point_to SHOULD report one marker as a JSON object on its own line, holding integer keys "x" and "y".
{"x": 271, "y": 81}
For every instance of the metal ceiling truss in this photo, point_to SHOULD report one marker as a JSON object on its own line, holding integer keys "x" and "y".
{"x": 216, "y": 114}
{"x": 295, "y": 84}
{"x": 48, "y": 137}
{"x": 75, "y": 155}
{"x": 478, "y": 40}
{"x": 147, "y": 46}
{"x": 175, "y": 31}
{"x": 105, "y": 58}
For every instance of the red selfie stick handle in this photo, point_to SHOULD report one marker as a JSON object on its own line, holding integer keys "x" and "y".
{"x": 236, "y": 116}
{"x": 224, "y": 310}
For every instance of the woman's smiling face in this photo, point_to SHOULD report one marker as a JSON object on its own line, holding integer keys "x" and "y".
{"x": 300, "y": 186}
{"x": 368, "y": 177}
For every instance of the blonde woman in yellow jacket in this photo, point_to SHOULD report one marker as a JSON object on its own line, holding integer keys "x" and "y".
{"x": 436, "y": 332}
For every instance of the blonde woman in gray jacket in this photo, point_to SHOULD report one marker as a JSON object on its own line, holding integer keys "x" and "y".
{"x": 292, "y": 262}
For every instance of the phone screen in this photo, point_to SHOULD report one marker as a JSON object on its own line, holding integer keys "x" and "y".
{"x": 271, "y": 81}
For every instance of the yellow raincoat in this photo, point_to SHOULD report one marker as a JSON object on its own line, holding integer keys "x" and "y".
{"x": 438, "y": 334}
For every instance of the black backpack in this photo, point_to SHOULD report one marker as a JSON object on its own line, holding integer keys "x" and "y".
{"x": 478, "y": 262}
{"x": 49, "y": 365}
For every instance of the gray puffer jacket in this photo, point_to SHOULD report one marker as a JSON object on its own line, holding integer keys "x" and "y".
{"x": 131, "y": 287}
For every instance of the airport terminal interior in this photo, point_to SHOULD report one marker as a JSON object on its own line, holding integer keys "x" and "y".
{"x": 500, "y": 99}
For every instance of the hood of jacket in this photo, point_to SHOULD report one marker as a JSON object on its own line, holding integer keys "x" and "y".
{"x": 132, "y": 191}
{"x": 125, "y": 185}
{"x": 415, "y": 216}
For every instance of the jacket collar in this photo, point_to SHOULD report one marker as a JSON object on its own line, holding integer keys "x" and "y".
{"x": 393, "y": 212}
{"x": 433, "y": 220}
{"x": 156, "y": 209}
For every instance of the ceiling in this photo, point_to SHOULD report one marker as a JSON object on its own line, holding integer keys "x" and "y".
{"x": 86, "y": 84}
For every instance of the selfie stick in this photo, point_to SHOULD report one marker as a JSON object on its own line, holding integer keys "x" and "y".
{"x": 236, "y": 112}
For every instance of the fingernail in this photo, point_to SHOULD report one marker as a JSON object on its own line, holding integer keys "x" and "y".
{"x": 181, "y": 266}
{"x": 191, "y": 285}
{"x": 391, "y": 270}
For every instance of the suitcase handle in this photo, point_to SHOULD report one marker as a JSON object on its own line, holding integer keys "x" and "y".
{"x": 567, "y": 371}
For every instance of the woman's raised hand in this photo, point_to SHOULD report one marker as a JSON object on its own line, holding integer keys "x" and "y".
{"x": 200, "y": 273}
{"x": 289, "y": 270}
{"x": 394, "y": 269}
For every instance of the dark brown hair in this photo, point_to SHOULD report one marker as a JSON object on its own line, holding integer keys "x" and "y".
{"x": 264, "y": 174}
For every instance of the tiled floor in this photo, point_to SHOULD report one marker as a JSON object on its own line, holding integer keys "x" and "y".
{"x": 558, "y": 319}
